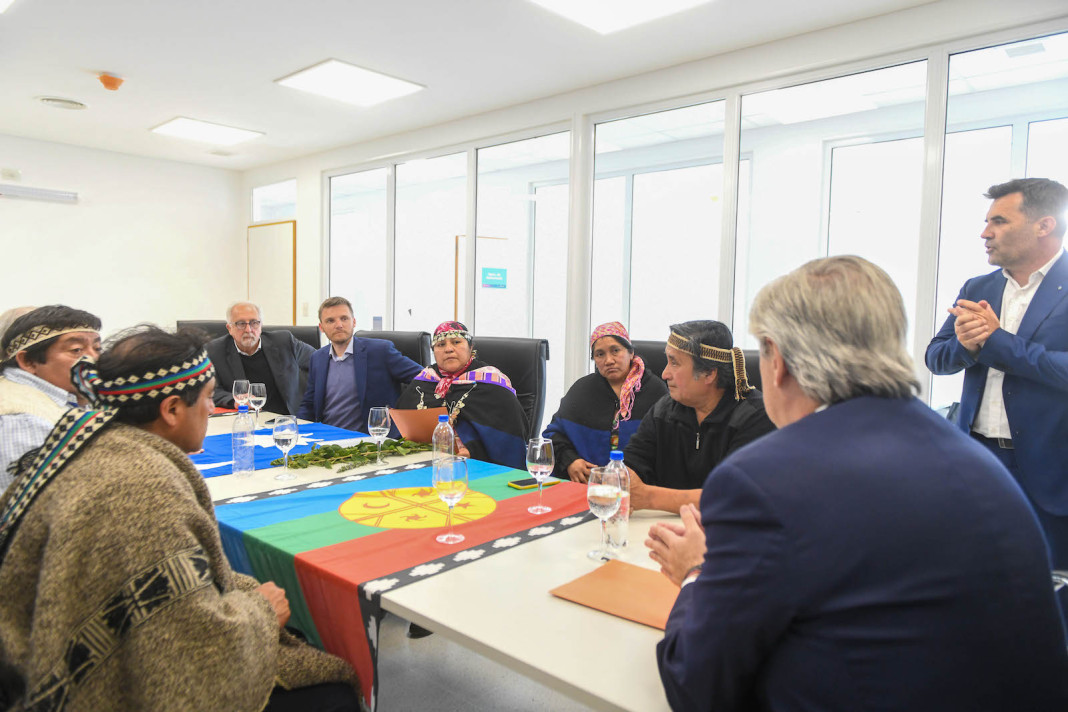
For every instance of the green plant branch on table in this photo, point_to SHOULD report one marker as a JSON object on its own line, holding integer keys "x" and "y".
{"x": 350, "y": 457}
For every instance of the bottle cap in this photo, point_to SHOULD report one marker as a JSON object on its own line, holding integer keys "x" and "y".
{"x": 242, "y": 408}
{"x": 443, "y": 418}
{"x": 615, "y": 455}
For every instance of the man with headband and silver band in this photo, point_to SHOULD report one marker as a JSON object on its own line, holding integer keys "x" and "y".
{"x": 710, "y": 411}
{"x": 38, "y": 349}
{"x": 117, "y": 592}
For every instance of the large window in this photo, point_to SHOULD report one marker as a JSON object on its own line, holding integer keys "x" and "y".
{"x": 521, "y": 250}
{"x": 832, "y": 172}
{"x": 1004, "y": 120}
{"x": 358, "y": 244}
{"x": 277, "y": 201}
{"x": 656, "y": 220}
{"x": 431, "y": 217}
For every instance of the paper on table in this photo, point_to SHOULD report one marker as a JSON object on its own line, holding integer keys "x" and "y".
{"x": 625, "y": 590}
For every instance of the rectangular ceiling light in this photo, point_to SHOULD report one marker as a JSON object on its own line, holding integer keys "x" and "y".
{"x": 348, "y": 83}
{"x": 607, "y": 16}
{"x": 205, "y": 132}
{"x": 5, "y": 4}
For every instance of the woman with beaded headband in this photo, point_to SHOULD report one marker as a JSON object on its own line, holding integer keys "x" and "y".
{"x": 117, "y": 592}
{"x": 602, "y": 410}
{"x": 483, "y": 409}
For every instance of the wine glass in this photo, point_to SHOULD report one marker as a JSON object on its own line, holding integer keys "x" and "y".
{"x": 285, "y": 437}
{"x": 603, "y": 495}
{"x": 540, "y": 466}
{"x": 378, "y": 423}
{"x": 257, "y": 398}
{"x": 241, "y": 392}
{"x": 450, "y": 481}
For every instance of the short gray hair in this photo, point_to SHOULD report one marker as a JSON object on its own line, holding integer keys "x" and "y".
{"x": 235, "y": 305}
{"x": 840, "y": 325}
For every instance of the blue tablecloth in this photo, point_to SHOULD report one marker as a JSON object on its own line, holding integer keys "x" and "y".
{"x": 218, "y": 449}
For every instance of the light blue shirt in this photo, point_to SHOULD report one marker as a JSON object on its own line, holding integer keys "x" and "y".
{"x": 20, "y": 432}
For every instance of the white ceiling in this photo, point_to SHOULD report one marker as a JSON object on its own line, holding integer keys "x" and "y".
{"x": 217, "y": 61}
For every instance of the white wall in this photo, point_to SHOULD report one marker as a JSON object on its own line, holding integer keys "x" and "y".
{"x": 148, "y": 240}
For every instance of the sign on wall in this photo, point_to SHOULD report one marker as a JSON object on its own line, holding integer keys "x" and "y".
{"x": 494, "y": 278}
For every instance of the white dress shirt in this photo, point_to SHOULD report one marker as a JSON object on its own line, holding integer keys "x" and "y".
{"x": 991, "y": 420}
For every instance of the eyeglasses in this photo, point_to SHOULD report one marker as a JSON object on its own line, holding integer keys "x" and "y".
{"x": 242, "y": 325}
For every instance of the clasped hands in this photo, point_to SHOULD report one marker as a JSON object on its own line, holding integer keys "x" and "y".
{"x": 975, "y": 322}
{"x": 678, "y": 546}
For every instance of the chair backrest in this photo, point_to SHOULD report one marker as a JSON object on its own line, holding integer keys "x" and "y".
{"x": 524, "y": 362}
{"x": 212, "y": 327}
{"x": 652, "y": 352}
{"x": 217, "y": 327}
{"x": 413, "y": 344}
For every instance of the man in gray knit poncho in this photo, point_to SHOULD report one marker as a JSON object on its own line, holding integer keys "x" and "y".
{"x": 114, "y": 590}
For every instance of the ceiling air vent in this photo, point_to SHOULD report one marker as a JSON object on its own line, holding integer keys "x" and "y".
{"x": 59, "y": 103}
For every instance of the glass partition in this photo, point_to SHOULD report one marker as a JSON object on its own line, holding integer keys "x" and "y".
{"x": 358, "y": 243}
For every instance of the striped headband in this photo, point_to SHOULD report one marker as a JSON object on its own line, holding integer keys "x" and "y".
{"x": 39, "y": 334}
{"x": 733, "y": 356}
{"x": 450, "y": 329}
{"x": 151, "y": 385}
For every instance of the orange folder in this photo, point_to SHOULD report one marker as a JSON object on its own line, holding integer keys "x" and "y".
{"x": 417, "y": 424}
{"x": 625, "y": 590}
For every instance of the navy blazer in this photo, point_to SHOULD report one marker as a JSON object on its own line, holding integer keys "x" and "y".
{"x": 286, "y": 355}
{"x": 381, "y": 372}
{"x": 1035, "y": 363}
{"x": 866, "y": 557}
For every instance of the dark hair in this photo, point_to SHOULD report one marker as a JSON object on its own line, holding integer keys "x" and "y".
{"x": 622, "y": 342}
{"x": 1041, "y": 197}
{"x": 145, "y": 348}
{"x": 335, "y": 302}
{"x": 56, "y": 316}
{"x": 711, "y": 333}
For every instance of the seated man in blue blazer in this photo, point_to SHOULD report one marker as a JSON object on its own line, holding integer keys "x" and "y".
{"x": 349, "y": 376}
{"x": 277, "y": 359}
{"x": 867, "y": 555}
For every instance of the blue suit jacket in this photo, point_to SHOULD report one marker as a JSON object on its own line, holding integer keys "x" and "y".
{"x": 1035, "y": 363}
{"x": 381, "y": 373}
{"x": 867, "y": 557}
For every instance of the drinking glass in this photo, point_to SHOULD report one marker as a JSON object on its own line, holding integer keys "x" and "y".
{"x": 450, "y": 482}
{"x": 603, "y": 495}
{"x": 257, "y": 398}
{"x": 285, "y": 437}
{"x": 241, "y": 392}
{"x": 378, "y": 423}
{"x": 540, "y": 466}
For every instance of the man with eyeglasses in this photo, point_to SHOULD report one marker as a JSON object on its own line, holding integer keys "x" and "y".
{"x": 276, "y": 359}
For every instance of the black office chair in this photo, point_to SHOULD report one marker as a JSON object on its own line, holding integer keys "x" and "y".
{"x": 524, "y": 362}
{"x": 212, "y": 327}
{"x": 413, "y": 344}
{"x": 307, "y": 334}
{"x": 652, "y": 352}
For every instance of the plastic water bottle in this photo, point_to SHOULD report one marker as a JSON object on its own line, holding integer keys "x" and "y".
{"x": 444, "y": 439}
{"x": 617, "y": 525}
{"x": 243, "y": 443}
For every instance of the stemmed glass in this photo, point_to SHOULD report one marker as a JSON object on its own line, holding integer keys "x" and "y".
{"x": 603, "y": 496}
{"x": 241, "y": 392}
{"x": 540, "y": 466}
{"x": 257, "y": 398}
{"x": 450, "y": 481}
{"x": 285, "y": 437}
{"x": 378, "y": 423}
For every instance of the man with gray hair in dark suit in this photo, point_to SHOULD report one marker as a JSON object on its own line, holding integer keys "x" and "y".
{"x": 276, "y": 359}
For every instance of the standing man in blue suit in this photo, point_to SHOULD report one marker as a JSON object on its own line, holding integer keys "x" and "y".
{"x": 865, "y": 556}
{"x": 1008, "y": 330}
{"x": 350, "y": 376}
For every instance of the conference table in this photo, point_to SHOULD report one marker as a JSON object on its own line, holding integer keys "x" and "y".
{"x": 490, "y": 593}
